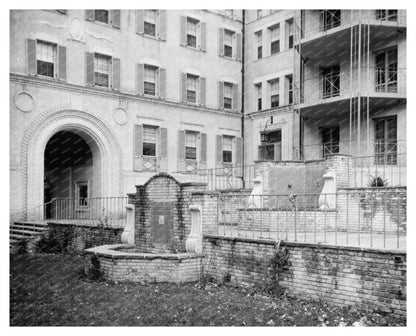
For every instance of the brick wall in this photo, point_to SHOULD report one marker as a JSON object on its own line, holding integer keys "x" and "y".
{"x": 162, "y": 218}
{"x": 375, "y": 279}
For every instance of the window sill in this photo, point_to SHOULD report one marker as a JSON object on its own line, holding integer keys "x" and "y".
{"x": 102, "y": 24}
{"x": 155, "y": 38}
{"x": 230, "y": 58}
{"x": 271, "y": 55}
{"x": 193, "y": 48}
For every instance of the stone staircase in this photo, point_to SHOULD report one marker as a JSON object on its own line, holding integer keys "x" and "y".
{"x": 25, "y": 230}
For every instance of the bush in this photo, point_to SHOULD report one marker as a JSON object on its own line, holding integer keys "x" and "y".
{"x": 378, "y": 181}
{"x": 92, "y": 270}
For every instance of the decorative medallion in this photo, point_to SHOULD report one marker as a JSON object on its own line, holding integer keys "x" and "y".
{"x": 120, "y": 116}
{"x": 24, "y": 101}
{"x": 75, "y": 29}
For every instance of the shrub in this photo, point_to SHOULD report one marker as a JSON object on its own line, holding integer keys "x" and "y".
{"x": 378, "y": 181}
{"x": 92, "y": 270}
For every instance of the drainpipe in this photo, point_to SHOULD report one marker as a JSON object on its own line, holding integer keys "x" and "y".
{"x": 243, "y": 37}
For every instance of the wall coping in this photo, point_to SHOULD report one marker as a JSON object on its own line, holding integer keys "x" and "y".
{"x": 375, "y": 188}
{"x": 302, "y": 244}
{"x": 94, "y": 226}
{"x": 110, "y": 251}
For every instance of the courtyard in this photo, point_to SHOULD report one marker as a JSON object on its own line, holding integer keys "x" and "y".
{"x": 49, "y": 290}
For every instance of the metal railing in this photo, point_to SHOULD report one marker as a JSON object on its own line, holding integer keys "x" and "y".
{"x": 221, "y": 178}
{"x": 374, "y": 218}
{"x": 106, "y": 211}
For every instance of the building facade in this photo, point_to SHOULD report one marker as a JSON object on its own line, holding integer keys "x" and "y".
{"x": 103, "y": 99}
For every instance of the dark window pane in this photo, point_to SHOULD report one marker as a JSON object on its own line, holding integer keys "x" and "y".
{"x": 275, "y": 47}
{"x": 227, "y": 156}
{"x": 191, "y": 40}
{"x": 290, "y": 41}
{"x": 83, "y": 194}
{"x": 101, "y": 79}
{"x": 45, "y": 68}
{"x": 275, "y": 101}
{"x": 149, "y": 149}
{"x": 191, "y": 96}
{"x": 228, "y": 103}
{"x": 149, "y": 88}
{"x": 149, "y": 29}
{"x": 259, "y": 52}
{"x": 259, "y": 104}
{"x": 190, "y": 153}
{"x": 101, "y": 15}
{"x": 228, "y": 51}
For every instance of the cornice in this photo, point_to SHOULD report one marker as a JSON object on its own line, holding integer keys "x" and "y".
{"x": 109, "y": 94}
{"x": 269, "y": 112}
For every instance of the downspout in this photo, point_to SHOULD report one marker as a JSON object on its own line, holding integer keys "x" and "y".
{"x": 243, "y": 36}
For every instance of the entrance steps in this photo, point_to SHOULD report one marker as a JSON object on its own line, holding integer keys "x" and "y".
{"x": 25, "y": 230}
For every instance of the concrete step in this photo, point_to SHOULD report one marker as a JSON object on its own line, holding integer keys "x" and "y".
{"x": 25, "y": 232}
{"x": 32, "y": 223}
{"x": 15, "y": 236}
{"x": 28, "y": 227}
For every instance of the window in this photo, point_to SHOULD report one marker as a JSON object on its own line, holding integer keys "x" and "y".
{"x": 228, "y": 43}
{"x": 150, "y": 80}
{"x": 331, "y": 81}
{"x": 386, "y": 140}
{"x": 274, "y": 39}
{"x": 271, "y": 146}
{"x": 330, "y": 19}
{"x": 149, "y": 140}
{"x": 191, "y": 32}
{"x": 384, "y": 14}
{"x": 102, "y": 70}
{"x": 259, "y": 13}
{"x": 289, "y": 81}
{"x": 290, "y": 32}
{"x": 330, "y": 140}
{"x": 101, "y": 15}
{"x": 150, "y": 22}
{"x": 190, "y": 145}
{"x": 259, "y": 96}
{"x": 386, "y": 71}
{"x": 81, "y": 193}
{"x": 46, "y": 59}
{"x": 191, "y": 88}
{"x": 274, "y": 93}
{"x": 259, "y": 44}
{"x": 227, "y": 149}
{"x": 228, "y": 94}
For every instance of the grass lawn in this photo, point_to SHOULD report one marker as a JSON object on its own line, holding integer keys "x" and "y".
{"x": 47, "y": 290}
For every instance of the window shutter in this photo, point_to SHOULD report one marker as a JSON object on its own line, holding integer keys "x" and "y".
{"x": 239, "y": 156}
{"x": 239, "y": 51}
{"x": 89, "y": 15}
{"x": 138, "y": 148}
{"x": 183, "y": 30}
{"x": 183, "y": 87}
{"x": 203, "y": 36}
{"x": 220, "y": 95}
{"x": 139, "y": 21}
{"x": 116, "y": 74}
{"x": 162, "y": 83}
{"x": 181, "y": 151}
{"x": 140, "y": 78}
{"x": 277, "y": 151}
{"x": 219, "y": 150}
{"x": 236, "y": 104}
{"x": 261, "y": 152}
{"x": 163, "y": 159}
{"x": 89, "y": 68}
{"x": 221, "y": 42}
{"x": 62, "y": 62}
{"x": 203, "y": 152}
{"x": 115, "y": 18}
{"x": 31, "y": 57}
{"x": 203, "y": 89}
{"x": 162, "y": 24}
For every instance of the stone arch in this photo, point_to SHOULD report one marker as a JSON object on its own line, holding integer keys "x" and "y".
{"x": 85, "y": 124}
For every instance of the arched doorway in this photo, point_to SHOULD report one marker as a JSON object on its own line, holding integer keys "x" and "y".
{"x": 70, "y": 169}
{"x": 105, "y": 158}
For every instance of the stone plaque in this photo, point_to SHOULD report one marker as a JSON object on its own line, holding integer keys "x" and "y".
{"x": 162, "y": 222}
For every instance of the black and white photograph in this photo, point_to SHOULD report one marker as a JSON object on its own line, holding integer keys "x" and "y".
{"x": 207, "y": 167}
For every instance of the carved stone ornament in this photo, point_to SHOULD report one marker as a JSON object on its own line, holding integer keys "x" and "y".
{"x": 120, "y": 115}
{"x": 76, "y": 30}
{"x": 24, "y": 101}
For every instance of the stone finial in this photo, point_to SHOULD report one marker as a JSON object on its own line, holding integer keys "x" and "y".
{"x": 255, "y": 200}
{"x": 194, "y": 241}
{"x": 327, "y": 199}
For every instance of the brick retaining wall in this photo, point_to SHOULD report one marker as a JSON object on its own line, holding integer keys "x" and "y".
{"x": 375, "y": 279}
